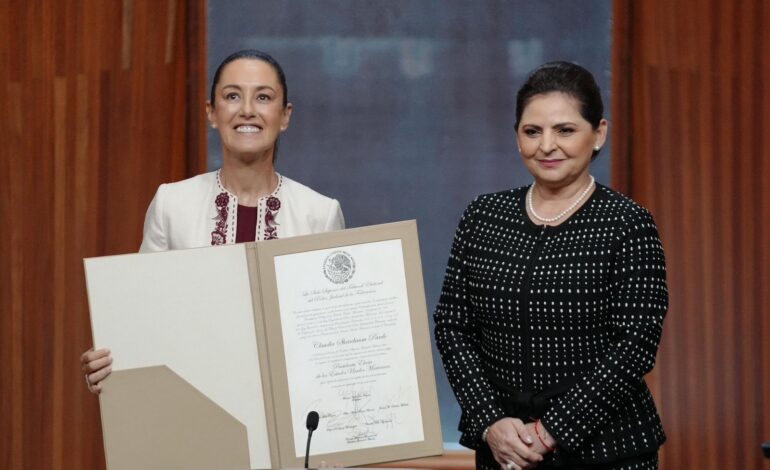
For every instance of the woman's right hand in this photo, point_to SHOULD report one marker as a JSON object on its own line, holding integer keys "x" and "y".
{"x": 512, "y": 445}
{"x": 96, "y": 366}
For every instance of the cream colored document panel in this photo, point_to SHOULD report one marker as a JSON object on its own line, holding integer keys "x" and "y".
{"x": 348, "y": 345}
{"x": 191, "y": 311}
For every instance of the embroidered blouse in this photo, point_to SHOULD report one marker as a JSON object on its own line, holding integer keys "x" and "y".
{"x": 199, "y": 212}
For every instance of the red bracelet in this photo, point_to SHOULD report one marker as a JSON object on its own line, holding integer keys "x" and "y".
{"x": 537, "y": 433}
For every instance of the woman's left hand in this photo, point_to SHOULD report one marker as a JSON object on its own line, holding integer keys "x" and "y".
{"x": 513, "y": 444}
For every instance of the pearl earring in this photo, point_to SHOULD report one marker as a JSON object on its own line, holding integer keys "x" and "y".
{"x": 597, "y": 148}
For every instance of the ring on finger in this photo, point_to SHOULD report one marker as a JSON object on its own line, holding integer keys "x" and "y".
{"x": 509, "y": 466}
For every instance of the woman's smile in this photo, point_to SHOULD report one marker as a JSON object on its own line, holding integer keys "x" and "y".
{"x": 247, "y": 129}
{"x": 550, "y": 163}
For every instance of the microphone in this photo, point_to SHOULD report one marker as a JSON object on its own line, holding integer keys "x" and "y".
{"x": 311, "y": 423}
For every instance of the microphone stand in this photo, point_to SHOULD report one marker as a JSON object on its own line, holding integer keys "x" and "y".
{"x": 307, "y": 448}
{"x": 311, "y": 423}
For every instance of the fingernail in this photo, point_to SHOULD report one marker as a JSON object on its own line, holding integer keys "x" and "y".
{"x": 529, "y": 439}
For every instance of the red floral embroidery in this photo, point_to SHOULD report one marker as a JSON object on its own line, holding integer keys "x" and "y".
{"x": 271, "y": 231}
{"x": 273, "y": 203}
{"x": 219, "y": 235}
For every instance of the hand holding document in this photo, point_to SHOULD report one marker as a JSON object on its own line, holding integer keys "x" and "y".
{"x": 332, "y": 322}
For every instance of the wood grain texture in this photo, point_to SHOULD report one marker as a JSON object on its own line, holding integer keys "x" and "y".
{"x": 97, "y": 107}
{"x": 693, "y": 150}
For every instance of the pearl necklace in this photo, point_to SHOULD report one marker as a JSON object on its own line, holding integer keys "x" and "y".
{"x": 565, "y": 211}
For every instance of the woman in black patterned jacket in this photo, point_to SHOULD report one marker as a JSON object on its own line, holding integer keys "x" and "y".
{"x": 553, "y": 300}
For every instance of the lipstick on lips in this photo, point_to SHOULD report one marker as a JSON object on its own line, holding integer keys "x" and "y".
{"x": 550, "y": 163}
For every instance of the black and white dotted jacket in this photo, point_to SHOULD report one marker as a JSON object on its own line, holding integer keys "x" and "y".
{"x": 529, "y": 306}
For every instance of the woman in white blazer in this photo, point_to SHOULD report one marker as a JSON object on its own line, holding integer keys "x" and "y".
{"x": 245, "y": 200}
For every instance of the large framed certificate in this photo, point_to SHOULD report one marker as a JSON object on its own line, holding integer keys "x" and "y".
{"x": 349, "y": 338}
{"x": 233, "y": 346}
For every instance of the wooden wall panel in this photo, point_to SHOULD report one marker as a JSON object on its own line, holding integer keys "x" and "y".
{"x": 690, "y": 87}
{"x": 99, "y": 107}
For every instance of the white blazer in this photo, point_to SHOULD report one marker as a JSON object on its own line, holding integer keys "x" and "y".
{"x": 199, "y": 212}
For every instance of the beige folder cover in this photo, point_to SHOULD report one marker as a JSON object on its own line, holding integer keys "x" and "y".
{"x": 198, "y": 356}
{"x": 154, "y": 419}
